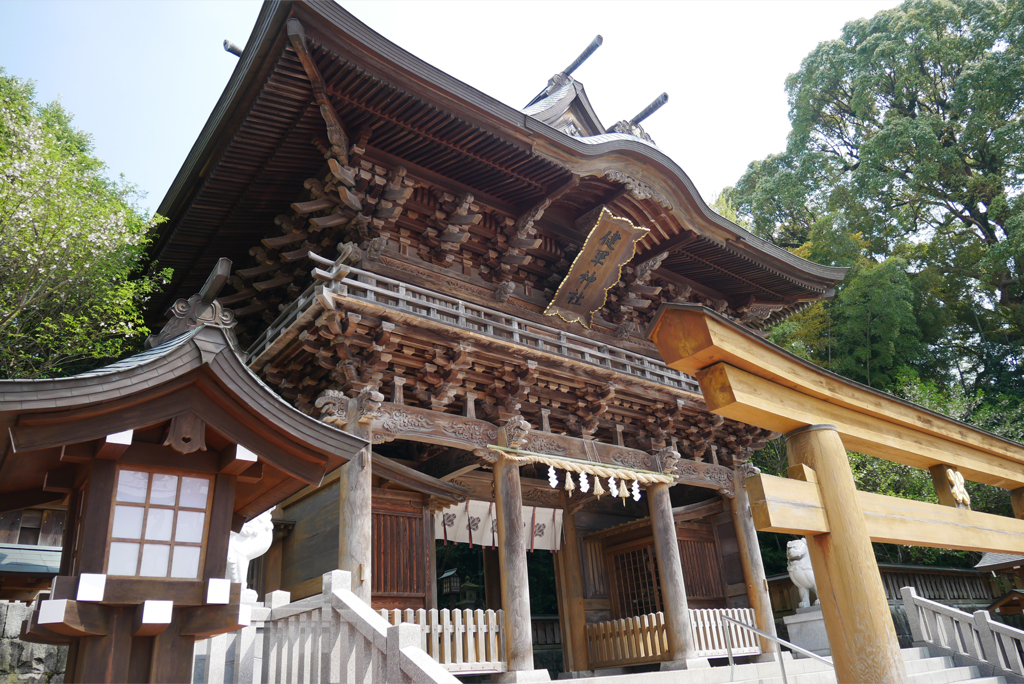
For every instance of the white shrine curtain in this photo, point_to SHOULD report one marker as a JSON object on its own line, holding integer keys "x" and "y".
{"x": 476, "y": 522}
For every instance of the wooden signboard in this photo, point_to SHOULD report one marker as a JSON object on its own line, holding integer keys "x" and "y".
{"x": 609, "y": 246}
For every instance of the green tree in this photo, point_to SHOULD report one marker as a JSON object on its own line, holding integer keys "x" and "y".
{"x": 70, "y": 242}
{"x": 876, "y": 330}
{"x": 908, "y": 134}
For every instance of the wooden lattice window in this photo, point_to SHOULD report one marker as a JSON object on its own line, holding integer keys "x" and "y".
{"x": 636, "y": 588}
{"x": 159, "y": 522}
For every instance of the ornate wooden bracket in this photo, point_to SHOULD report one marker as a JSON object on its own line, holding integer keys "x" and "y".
{"x": 335, "y": 131}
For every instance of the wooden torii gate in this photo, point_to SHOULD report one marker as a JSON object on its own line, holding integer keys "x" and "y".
{"x": 746, "y": 378}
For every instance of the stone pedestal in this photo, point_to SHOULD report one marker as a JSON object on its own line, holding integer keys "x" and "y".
{"x": 807, "y": 630}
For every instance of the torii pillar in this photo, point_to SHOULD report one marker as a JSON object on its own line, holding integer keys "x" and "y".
{"x": 860, "y": 629}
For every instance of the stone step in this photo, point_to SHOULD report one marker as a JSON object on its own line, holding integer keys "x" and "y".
{"x": 919, "y": 665}
{"x": 951, "y": 674}
{"x": 915, "y": 653}
{"x": 922, "y": 668}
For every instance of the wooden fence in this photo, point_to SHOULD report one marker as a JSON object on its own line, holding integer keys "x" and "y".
{"x": 461, "y": 641}
{"x": 330, "y": 637}
{"x": 964, "y": 589}
{"x": 642, "y": 639}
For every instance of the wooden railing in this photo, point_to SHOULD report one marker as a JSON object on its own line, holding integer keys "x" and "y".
{"x": 462, "y": 641}
{"x": 642, "y": 639}
{"x": 409, "y": 299}
{"x": 975, "y": 637}
{"x": 628, "y": 641}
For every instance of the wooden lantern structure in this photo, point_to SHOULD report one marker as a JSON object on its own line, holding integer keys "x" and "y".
{"x": 159, "y": 457}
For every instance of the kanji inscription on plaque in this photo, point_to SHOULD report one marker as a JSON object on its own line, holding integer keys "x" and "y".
{"x": 609, "y": 246}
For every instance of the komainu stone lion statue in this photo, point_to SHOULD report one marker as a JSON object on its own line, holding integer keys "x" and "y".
{"x": 801, "y": 572}
{"x": 252, "y": 542}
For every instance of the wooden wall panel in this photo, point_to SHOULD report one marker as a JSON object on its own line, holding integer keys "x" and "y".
{"x": 10, "y": 527}
{"x": 725, "y": 530}
{"x": 701, "y": 569}
{"x": 51, "y": 532}
{"x": 311, "y": 549}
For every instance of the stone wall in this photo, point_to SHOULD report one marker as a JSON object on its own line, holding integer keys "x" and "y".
{"x": 21, "y": 661}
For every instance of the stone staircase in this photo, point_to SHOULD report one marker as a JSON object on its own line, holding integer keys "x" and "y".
{"x": 922, "y": 668}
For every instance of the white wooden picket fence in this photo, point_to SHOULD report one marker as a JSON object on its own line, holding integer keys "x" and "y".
{"x": 462, "y": 641}
{"x": 330, "y": 637}
{"x": 975, "y": 637}
{"x": 643, "y": 639}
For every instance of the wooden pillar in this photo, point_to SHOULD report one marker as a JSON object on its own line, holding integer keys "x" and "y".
{"x": 430, "y": 544}
{"x": 573, "y": 585}
{"x": 172, "y": 655}
{"x": 1017, "y": 502}
{"x": 515, "y": 584}
{"x": 106, "y": 658}
{"x": 750, "y": 558}
{"x": 673, "y": 589}
{"x": 860, "y": 629}
{"x": 355, "y": 514}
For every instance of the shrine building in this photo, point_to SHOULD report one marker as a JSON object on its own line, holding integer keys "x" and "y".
{"x": 405, "y": 313}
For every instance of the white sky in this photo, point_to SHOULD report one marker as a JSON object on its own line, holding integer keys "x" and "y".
{"x": 143, "y": 77}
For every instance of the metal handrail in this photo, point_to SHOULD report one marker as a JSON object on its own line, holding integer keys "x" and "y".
{"x": 779, "y": 643}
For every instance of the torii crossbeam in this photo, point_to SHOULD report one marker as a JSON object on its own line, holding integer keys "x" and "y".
{"x": 746, "y": 378}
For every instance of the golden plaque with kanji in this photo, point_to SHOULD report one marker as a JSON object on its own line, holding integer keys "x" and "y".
{"x": 610, "y": 244}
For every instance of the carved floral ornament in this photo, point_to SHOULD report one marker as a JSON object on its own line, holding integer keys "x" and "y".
{"x": 638, "y": 189}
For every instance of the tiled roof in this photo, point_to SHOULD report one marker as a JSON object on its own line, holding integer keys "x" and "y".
{"x": 993, "y": 560}
{"x": 142, "y": 358}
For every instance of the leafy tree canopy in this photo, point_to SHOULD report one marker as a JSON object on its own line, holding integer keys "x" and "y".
{"x": 907, "y": 141}
{"x": 71, "y": 241}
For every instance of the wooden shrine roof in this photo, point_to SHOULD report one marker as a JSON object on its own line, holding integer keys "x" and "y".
{"x": 256, "y": 150}
{"x": 198, "y": 372}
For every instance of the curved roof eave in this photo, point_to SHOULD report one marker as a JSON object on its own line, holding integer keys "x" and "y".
{"x": 644, "y": 152}
{"x": 275, "y": 12}
{"x": 204, "y": 348}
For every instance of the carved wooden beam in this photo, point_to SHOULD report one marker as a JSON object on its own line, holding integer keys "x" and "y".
{"x": 419, "y": 481}
{"x": 335, "y": 131}
{"x": 469, "y": 434}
